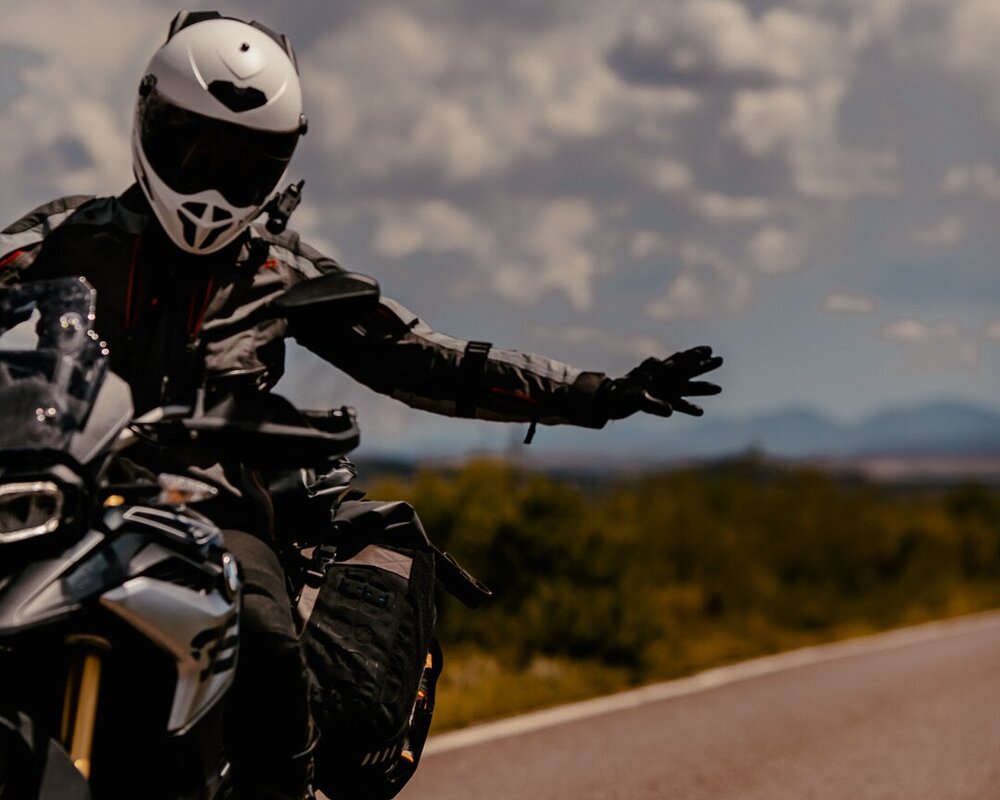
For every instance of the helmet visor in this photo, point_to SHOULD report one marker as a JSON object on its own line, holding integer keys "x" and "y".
{"x": 193, "y": 153}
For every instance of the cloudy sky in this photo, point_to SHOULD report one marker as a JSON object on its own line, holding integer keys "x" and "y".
{"x": 810, "y": 186}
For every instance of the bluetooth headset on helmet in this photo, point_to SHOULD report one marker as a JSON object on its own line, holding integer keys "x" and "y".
{"x": 218, "y": 117}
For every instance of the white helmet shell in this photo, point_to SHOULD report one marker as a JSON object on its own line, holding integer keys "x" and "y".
{"x": 219, "y": 114}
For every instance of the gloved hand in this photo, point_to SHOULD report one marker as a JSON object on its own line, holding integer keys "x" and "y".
{"x": 659, "y": 386}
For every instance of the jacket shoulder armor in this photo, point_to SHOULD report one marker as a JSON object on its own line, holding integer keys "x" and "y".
{"x": 47, "y": 215}
{"x": 26, "y": 234}
{"x": 288, "y": 249}
{"x": 108, "y": 212}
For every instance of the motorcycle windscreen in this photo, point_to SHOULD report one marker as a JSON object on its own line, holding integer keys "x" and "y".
{"x": 52, "y": 363}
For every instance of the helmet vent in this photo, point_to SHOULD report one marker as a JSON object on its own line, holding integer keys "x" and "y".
{"x": 219, "y": 214}
{"x": 196, "y": 209}
{"x": 237, "y": 98}
{"x": 189, "y": 228}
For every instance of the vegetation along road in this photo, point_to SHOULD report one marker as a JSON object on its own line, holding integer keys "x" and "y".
{"x": 908, "y": 714}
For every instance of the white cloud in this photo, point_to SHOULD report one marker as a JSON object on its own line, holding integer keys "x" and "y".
{"x": 790, "y": 69}
{"x": 974, "y": 30}
{"x": 650, "y": 244}
{"x": 914, "y": 331}
{"x": 720, "y": 207}
{"x": 313, "y": 226}
{"x": 135, "y": 29}
{"x": 675, "y": 179}
{"x": 947, "y": 232}
{"x": 382, "y": 91}
{"x": 775, "y": 250}
{"x": 694, "y": 41}
{"x": 933, "y": 345}
{"x": 968, "y": 354}
{"x": 429, "y": 226}
{"x": 801, "y": 123}
{"x": 972, "y": 33}
{"x": 848, "y": 303}
{"x": 667, "y": 175}
{"x": 802, "y": 46}
{"x": 634, "y": 346}
{"x": 992, "y": 330}
{"x": 424, "y": 95}
{"x": 449, "y": 130}
{"x": 686, "y": 296}
{"x": 708, "y": 285}
{"x": 67, "y": 129}
{"x": 980, "y": 179}
{"x": 556, "y": 255}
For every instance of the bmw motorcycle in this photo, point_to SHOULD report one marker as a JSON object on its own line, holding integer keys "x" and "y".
{"x": 119, "y": 603}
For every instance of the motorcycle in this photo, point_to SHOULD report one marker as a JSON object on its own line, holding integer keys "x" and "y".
{"x": 119, "y": 602}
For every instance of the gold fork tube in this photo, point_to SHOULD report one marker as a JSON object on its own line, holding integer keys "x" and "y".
{"x": 80, "y": 704}
{"x": 69, "y": 698}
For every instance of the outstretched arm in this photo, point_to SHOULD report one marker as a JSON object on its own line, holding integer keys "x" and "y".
{"x": 397, "y": 354}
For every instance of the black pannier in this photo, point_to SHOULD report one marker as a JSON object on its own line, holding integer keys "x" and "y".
{"x": 367, "y": 613}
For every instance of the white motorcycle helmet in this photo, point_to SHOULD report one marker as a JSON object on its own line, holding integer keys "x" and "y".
{"x": 218, "y": 118}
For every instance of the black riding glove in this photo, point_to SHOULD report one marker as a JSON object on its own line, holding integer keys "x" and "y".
{"x": 659, "y": 386}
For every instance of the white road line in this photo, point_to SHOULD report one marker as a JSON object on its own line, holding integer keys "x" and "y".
{"x": 709, "y": 679}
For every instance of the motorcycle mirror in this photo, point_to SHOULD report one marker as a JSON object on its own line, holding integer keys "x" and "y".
{"x": 346, "y": 295}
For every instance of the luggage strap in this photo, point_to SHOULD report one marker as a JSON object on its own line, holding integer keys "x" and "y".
{"x": 459, "y": 582}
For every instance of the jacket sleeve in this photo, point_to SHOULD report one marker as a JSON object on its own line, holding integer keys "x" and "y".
{"x": 397, "y": 354}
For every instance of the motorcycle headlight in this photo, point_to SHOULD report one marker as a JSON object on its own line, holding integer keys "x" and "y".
{"x": 29, "y": 509}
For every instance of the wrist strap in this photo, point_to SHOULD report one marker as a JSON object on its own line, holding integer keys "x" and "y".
{"x": 472, "y": 368}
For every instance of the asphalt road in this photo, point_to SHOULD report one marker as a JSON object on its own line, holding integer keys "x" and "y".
{"x": 910, "y": 714}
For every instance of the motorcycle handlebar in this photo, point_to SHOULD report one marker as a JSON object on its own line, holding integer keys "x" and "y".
{"x": 254, "y": 441}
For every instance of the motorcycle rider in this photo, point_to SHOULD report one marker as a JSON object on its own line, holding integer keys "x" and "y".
{"x": 176, "y": 259}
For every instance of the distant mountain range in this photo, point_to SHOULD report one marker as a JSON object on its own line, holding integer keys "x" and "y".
{"x": 936, "y": 429}
{"x": 937, "y": 440}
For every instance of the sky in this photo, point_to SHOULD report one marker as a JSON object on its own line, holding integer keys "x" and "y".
{"x": 812, "y": 187}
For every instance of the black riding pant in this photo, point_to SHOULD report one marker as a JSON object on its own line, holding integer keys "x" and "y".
{"x": 268, "y": 728}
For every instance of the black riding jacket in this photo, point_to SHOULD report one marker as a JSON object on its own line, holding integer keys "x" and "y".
{"x": 155, "y": 301}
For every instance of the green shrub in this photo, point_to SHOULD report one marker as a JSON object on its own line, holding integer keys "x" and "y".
{"x": 679, "y": 570}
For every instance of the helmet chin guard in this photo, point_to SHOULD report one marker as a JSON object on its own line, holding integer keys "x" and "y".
{"x": 199, "y": 223}
{"x": 218, "y": 117}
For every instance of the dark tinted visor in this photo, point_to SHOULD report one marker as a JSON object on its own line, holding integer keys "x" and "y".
{"x": 192, "y": 153}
